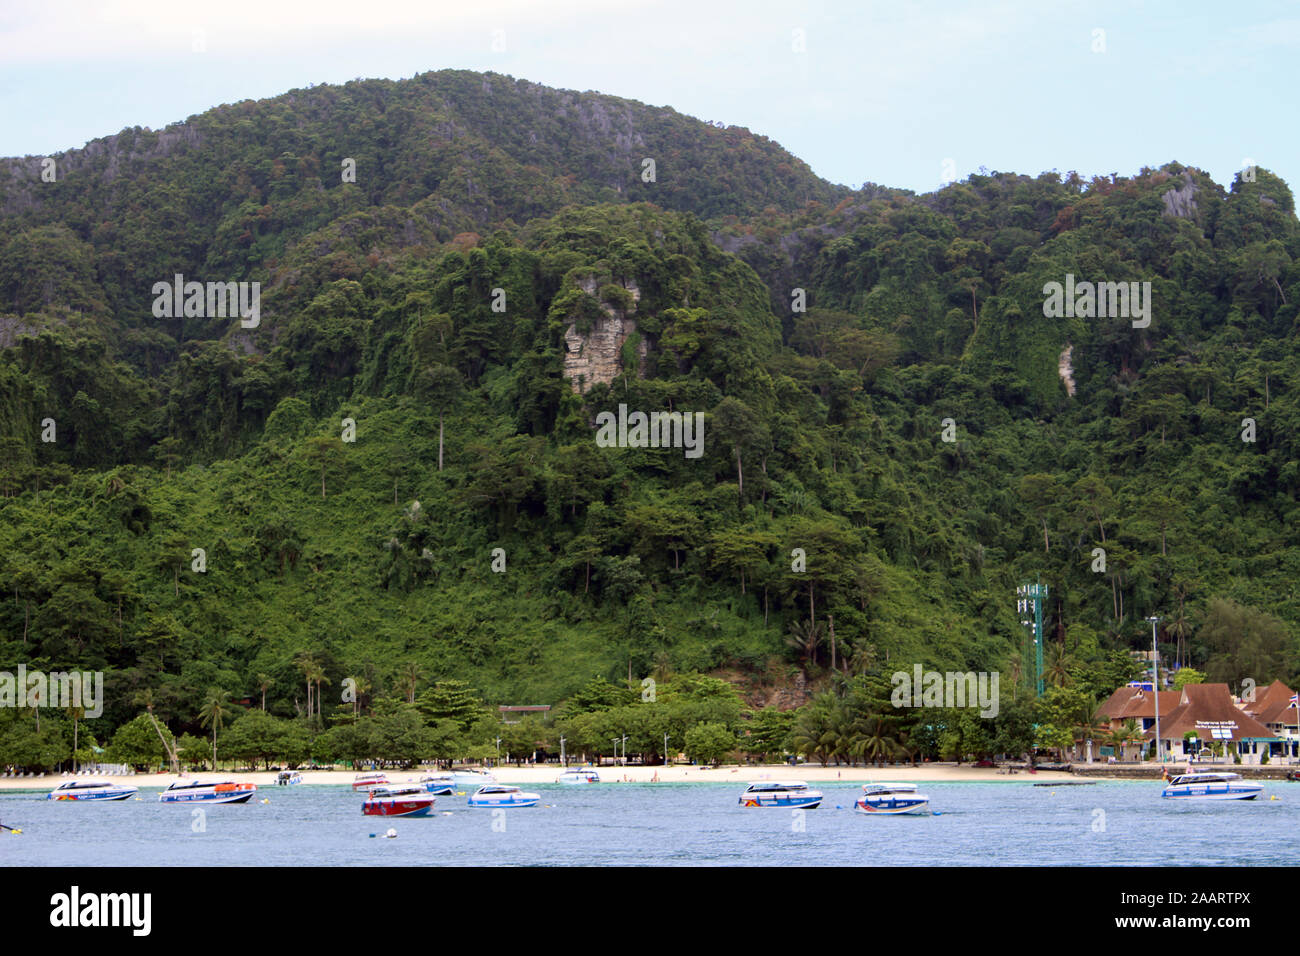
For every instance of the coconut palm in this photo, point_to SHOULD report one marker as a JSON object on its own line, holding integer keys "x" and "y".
{"x": 145, "y": 699}
{"x": 76, "y": 712}
{"x": 1016, "y": 671}
{"x": 1057, "y": 670}
{"x": 880, "y": 742}
{"x": 811, "y": 735}
{"x": 306, "y": 662}
{"x": 862, "y": 657}
{"x": 411, "y": 674}
{"x": 264, "y": 682}
{"x": 213, "y": 715}
{"x": 1121, "y": 737}
{"x": 805, "y": 636}
{"x": 1092, "y": 725}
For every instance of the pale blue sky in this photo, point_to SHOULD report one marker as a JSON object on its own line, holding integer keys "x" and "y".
{"x": 883, "y": 92}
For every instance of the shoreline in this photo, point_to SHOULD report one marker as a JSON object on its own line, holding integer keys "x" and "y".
{"x": 739, "y": 775}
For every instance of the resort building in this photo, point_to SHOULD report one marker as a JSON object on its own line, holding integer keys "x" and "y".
{"x": 1206, "y": 715}
{"x": 1135, "y": 701}
{"x": 1276, "y": 708}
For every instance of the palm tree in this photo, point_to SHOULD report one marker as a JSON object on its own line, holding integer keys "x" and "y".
{"x": 1016, "y": 670}
{"x": 76, "y": 713}
{"x": 805, "y": 636}
{"x": 307, "y": 664}
{"x": 880, "y": 742}
{"x": 411, "y": 674}
{"x": 213, "y": 715}
{"x": 1179, "y": 627}
{"x": 811, "y": 735}
{"x": 1092, "y": 726}
{"x": 145, "y": 700}
{"x": 1059, "y": 662}
{"x": 264, "y": 681}
{"x": 1123, "y": 736}
{"x": 862, "y": 657}
{"x": 318, "y": 675}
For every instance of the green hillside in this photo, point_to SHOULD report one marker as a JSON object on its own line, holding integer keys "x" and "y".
{"x": 498, "y": 236}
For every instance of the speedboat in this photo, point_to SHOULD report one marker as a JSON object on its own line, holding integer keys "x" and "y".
{"x": 442, "y": 784}
{"x": 892, "y": 798}
{"x": 288, "y": 778}
{"x": 196, "y": 791}
{"x": 472, "y": 778}
{"x": 495, "y": 795}
{"x": 793, "y": 794}
{"x": 578, "y": 775}
{"x": 1211, "y": 786}
{"x": 398, "y": 800}
{"x": 366, "y": 781}
{"x": 92, "y": 790}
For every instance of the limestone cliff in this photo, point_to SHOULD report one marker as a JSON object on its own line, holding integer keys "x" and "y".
{"x": 597, "y": 354}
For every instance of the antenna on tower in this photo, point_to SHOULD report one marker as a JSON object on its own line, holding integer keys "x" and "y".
{"x": 1029, "y": 604}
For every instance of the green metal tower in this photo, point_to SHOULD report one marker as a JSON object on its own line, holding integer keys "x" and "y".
{"x": 1031, "y": 597}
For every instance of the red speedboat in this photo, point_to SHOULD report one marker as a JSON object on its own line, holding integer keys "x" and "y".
{"x": 398, "y": 801}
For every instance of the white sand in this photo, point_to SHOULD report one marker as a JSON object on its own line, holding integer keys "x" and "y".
{"x": 943, "y": 772}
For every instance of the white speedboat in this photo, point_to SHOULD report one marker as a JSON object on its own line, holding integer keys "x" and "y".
{"x": 472, "y": 778}
{"x": 92, "y": 790}
{"x": 793, "y": 794}
{"x": 879, "y": 798}
{"x": 198, "y": 791}
{"x": 1210, "y": 786}
{"x": 441, "y": 784}
{"x": 495, "y": 795}
{"x": 288, "y": 778}
{"x": 578, "y": 775}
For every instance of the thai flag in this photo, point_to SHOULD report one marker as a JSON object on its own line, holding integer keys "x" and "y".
{"x": 1295, "y": 700}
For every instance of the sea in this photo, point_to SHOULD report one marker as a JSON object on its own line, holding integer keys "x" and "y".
{"x": 1011, "y": 823}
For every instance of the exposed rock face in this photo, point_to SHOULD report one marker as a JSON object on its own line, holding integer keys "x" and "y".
{"x": 598, "y": 355}
{"x": 1066, "y": 370}
{"x": 1181, "y": 201}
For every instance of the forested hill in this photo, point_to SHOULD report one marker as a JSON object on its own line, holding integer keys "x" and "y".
{"x": 880, "y": 384}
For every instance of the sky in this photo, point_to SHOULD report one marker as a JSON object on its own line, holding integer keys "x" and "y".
{"x": 901, "y": 94}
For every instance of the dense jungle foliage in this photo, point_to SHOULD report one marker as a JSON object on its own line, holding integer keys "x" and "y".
{"x": 896, "y": 435}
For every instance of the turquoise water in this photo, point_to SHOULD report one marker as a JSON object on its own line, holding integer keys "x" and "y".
{"x": 1111, "y": 823}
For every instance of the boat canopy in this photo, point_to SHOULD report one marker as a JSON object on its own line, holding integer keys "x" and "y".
{"x": 1204, "y": 778}
{"x": 767, "y": 785}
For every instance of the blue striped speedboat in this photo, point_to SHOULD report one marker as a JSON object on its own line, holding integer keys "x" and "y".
{"x": 895, "y": 798}
{"x": 792, "y": 794}
{"x": 92, "y": 790}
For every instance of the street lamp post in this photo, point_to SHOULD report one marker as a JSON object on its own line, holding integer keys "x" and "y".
{"x": 625, "y": 750}
{"x": 498, "y": 751}
{"x": 563, "y": 762}
{"x": 1155, "y": 681}
{"x": 665, "y": 750}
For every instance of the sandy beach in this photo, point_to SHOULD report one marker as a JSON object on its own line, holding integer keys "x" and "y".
{"x": 929, "y": 772}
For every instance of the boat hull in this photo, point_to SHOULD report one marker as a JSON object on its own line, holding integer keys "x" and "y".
{"x": 407, "y": 807}
{"x": 82, "y": 797}
{"x": 1211, "y": 792}
{"x": 778, "y": 802}
{"x": 235, "y": 793}
{"x": 893, "y": 806}
{"x": 482, "y": 802}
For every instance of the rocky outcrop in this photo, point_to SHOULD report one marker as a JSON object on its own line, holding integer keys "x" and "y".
{"x": 1180, "y": 201}
{"x": 1066, "y": 370}
{"x": 597, "y": 356}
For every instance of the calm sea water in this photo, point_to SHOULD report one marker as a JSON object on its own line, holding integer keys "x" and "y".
{"x": 1006, "y": 823}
